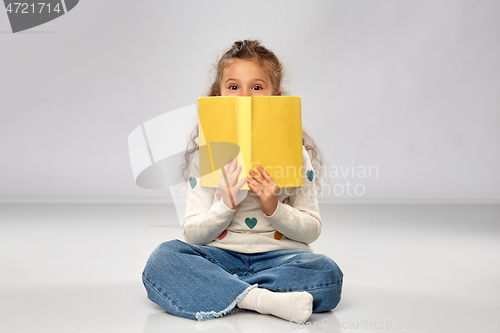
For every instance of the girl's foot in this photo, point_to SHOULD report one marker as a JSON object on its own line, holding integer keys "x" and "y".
{"x": 296, "y": 306}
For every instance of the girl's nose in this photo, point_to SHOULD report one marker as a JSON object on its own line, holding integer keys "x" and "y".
{"x": 245, "y": 92}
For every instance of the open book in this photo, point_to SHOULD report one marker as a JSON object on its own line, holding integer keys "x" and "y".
{"x": 263, "y": 130}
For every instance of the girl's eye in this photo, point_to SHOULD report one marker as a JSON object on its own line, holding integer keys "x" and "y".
{"x": 257, "y": 88}
{"x": 233, "y": 87}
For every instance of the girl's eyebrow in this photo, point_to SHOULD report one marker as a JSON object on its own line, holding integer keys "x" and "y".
{"x": 229, "y": 79}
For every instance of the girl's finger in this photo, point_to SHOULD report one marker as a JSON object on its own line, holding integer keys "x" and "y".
{"x": 238, "y": 186}
{"x": 256, "y": 185}
{"x": 227, "y": 167}
{"x": 256, "y": 176}
{"x": 234, "y": 176}
{"x": 232, "y": 165}
{"x": 264, "y": 173}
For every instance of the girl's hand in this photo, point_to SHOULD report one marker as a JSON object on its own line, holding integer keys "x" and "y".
{"x": 228, "y": 186}
{"x": 266, "y": 188}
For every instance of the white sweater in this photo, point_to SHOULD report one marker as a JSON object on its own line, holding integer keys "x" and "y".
{"x": 294, "y": 225}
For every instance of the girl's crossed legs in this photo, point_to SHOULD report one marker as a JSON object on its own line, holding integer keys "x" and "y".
{"x": 203, "y": 282}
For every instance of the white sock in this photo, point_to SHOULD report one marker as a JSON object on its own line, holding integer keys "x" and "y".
{"x": 296, "y": 306}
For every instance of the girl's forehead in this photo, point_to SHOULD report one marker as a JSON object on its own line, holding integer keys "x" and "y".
{"x": 239, "y": 65}
{"x": 241, "y": 62}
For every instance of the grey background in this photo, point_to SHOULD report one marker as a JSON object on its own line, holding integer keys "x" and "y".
{"x": 411, "y": 87}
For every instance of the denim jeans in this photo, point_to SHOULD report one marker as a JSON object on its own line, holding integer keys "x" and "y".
{"x": 204, "y": 282}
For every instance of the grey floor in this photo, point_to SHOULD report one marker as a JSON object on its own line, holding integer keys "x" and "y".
{"x": 407, "y": 268}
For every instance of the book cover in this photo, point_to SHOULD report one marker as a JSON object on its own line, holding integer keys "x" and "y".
{"x": 259, "y": 130}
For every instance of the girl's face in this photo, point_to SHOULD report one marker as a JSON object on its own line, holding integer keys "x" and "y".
{"x": 245, "y": 78}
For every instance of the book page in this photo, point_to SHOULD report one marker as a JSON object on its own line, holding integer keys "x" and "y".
{"x": 277, "y": 138}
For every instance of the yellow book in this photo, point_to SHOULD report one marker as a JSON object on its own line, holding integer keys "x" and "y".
{"x": 263, "y": 130}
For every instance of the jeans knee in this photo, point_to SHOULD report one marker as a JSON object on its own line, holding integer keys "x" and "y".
{"x": 333, "y": 270}
{"x": 337, "y": 277}
{"x": 162, "y": 255}
{"x": 173, "y": 245}
{"x": 324, "y": 264}
{"x": 336, "y": 296}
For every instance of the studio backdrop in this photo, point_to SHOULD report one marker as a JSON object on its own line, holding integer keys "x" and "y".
{"x": 402, "y": 97}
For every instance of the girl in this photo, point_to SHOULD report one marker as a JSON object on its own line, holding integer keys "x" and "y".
{"x": 253, "y": 254}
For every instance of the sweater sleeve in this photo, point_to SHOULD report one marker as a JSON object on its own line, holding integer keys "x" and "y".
{"x": 204, "y": 219}
{"x": 300, "y": 220}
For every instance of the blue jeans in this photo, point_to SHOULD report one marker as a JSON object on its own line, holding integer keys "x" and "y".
{"x": 204, "y": 282}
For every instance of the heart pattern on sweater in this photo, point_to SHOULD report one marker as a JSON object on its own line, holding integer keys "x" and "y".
{"x": 278, "y": 235}
{"x": 221, "y": 236}
{"x": 310, "y": 175}
{"x": 192, "y": 182}
{"x": 251, "y": 222}
{"x": 218, "y": 196}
